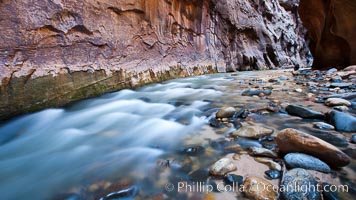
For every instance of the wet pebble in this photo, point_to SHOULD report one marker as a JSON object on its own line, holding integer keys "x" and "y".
{"x": 216, "y": 123}
{"x": 304, "y": 112}
{"x": 323, "y": 126}
{"x": 194, "y": 150}
{"x": 299, "y": 178}
{"x": 254, "y": 132}
{"x": 342, "y": 121}
{"x": 226, "y": 112}
{"x": 273, "y": 174}
{"x": 222, "y": 167}
{"x": 256, "y": 151}
{"x": 300, "y": 160}
{"x": 253, "y": 92}
{"x": 233, "y": 179}
{"x": 268, "y": 142}
{"x": 337, "y": 102}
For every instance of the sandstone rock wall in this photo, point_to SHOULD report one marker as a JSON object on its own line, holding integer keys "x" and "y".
{"x": 332, "y": 30}
{"x": 53, "y": 52}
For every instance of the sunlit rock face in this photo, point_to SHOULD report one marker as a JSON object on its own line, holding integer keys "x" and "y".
{"x": 54, "y": 52}
{"x": 332, "y": 29}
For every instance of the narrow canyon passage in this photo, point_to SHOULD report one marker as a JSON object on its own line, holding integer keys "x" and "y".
{"x": 177, "y": 99}
{"x": 155, "y": 141}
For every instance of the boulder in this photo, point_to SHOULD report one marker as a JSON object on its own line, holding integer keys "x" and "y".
{"x": 290, "y": 140}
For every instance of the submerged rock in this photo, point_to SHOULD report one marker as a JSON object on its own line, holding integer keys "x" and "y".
{"x": 219, "y": 144}
{"x": 337, "y": 102}
{"x": 232, "y": 179}
{"x": 300, "y": 160}
{"x": 271, "y": 164}
{"x": 323, "y": 126}
{"x": 255, "y": 188}
{"x": 273, "y": 174}
{"x": 182, "y": 163}
{"x": 342, "y": 121}
{"x": 216, "y": 123}
{"x": 193, "y": 150}
{"x": 290, "y": 140}
{"x": 304, "y": 112}
{"x": 222, "y": 167}
{"x": 252, "y": 132}
{"x": 253, "y": 92}
{"x": 226, "y": 112}
{"x": 299, "y": 184}
{"x": 200, "y": 175}
{"x": 257, "y": 151}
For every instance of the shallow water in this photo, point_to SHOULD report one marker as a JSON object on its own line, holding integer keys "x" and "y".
{"x": 122, "y": 135}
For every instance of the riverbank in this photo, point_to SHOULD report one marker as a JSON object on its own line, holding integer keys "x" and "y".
{"x": 238, "y": 129}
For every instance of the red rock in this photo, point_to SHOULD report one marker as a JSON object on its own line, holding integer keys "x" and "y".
{"x": 332, "y": 31}
{"x": 290, "y": 140}
{"x": 55, "y": 52}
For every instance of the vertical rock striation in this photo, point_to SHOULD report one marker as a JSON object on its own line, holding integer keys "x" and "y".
{"x": 53, "y": 52}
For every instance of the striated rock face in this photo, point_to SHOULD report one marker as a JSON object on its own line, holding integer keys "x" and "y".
{"x": 54, "y": 52}
{"x": 332, "y": 29}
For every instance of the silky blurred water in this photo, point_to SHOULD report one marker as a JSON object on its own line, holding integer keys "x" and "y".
{"x": 53, "y": 150}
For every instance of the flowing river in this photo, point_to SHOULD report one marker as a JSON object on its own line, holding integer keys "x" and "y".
{"x": 78, "y": 151}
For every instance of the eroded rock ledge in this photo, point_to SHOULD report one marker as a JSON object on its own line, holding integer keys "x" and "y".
{"x": 55, "y": 52}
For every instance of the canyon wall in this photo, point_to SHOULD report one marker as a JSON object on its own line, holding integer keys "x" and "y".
{"x": 332, "y": 30}
{"x": 53, "y": 52}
